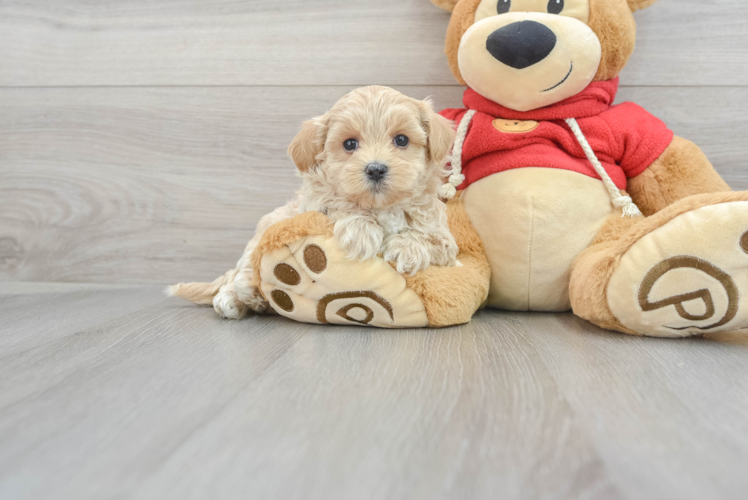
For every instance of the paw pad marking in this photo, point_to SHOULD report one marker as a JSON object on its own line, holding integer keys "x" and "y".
{"x": 287, "y": 274}
{"x": 705, "y": 295}
{"x": 283, "y": 301}
{"x": 315, "y": 259}
{"x": 311, "y": 279}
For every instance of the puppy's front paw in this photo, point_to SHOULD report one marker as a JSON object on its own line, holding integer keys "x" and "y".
{"x": 360, "y": 237}
{"x": 410, "y": 252}
{"x": 444, "y": 250}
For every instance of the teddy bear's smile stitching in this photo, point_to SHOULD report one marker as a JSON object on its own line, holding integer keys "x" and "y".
{"x": 571, "y": 70}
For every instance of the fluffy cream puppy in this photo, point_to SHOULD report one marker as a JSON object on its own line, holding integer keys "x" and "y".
{"x": 374, "y": 165}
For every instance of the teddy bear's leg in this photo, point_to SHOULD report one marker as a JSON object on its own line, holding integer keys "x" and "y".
{"x": 305, "y": 276}
{"x": 680, "y": 272}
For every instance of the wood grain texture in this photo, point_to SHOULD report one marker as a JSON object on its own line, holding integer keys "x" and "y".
{"x": 336, "y": 42}
{"x": 133, "y": 185}
{"x": 30, "y": 319}
{"x": 676, "y": 406}
{"x": 169, "y": 401}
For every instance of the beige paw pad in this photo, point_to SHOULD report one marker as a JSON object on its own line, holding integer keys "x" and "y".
{"x": 688, "y": 277}
{"x": 312, "y": 281}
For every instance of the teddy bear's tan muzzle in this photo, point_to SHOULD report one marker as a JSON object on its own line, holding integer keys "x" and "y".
{"x": 527, "y": 60}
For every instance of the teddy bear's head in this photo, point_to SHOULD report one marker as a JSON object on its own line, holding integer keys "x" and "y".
{"x": 527, "y": 54}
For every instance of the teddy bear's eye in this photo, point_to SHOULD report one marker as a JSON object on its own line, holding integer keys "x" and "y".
{"x": 555, "y": 6}
{"x": 504, "y": 6}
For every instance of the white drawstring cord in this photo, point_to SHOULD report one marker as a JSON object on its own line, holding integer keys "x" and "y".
{"x": 449, "y": 190}
{"x": 619, "y": 200}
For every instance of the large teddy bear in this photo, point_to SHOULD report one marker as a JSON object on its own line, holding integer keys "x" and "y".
{"x": 560, "y": 199}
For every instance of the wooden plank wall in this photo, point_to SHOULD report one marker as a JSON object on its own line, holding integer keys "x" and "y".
{"x": 141, "y": 141}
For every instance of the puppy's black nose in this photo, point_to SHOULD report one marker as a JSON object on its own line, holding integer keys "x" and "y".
{"x": 521, "y": 44}
{"x": 376, "y": 171}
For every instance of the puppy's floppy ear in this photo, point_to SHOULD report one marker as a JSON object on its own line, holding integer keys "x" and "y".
{"x": 309, "y": 143}
{"x": 441, "y": 132}
{"x": 640, "y": 4}
{"x": 447, "y": 5}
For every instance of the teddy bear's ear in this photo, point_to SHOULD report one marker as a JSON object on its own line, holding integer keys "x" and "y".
{"x": 448, "y": 5}
{"x": 640, "y": 4}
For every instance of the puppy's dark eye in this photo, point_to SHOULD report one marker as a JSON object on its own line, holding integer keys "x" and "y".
{"x": 402, "y": 141}
{"x": 555, "y": 6}
{"x": 504, "y": 6}
{"x": 350, "y": 145}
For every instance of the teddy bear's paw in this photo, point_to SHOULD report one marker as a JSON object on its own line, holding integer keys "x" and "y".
{"x": 312, "y": 280}
{"x": 687, "y": 277}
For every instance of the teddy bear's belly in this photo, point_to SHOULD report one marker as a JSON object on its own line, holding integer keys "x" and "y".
{"x": 534, "y": 222}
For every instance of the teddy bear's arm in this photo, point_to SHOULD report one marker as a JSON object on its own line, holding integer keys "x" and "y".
{"x": 682, "y": 170}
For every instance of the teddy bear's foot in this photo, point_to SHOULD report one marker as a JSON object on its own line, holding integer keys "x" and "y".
{"x": 306, "y": 276}
{"x": 311, "y": 280}
{"x": 681, "y": 272}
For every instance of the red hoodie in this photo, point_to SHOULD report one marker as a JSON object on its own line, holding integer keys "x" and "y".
{"x": 626, "y": 138}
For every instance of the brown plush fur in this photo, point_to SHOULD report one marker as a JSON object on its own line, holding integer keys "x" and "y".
{"x": 588, "y": 289}
{"x": 614, "y": 226}
{"x": 681, "y": 171}
{"x": 611, "y": 20}
{"x": 447, "y": 5}
{"x": 463, "y": 16}
{"x": 640, "y": 4}
{"x": 451, "y": 295}
{"x": 614, "y": 25}
{"x": 592, "y": 270}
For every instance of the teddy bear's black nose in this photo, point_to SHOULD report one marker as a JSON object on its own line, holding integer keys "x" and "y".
{"x": 521, "y": 44}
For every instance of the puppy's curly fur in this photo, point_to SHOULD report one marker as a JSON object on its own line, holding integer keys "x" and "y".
{"x": 397, "y": 213}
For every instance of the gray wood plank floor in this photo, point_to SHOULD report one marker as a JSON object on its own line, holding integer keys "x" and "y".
{"x": 158, "y": 399}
